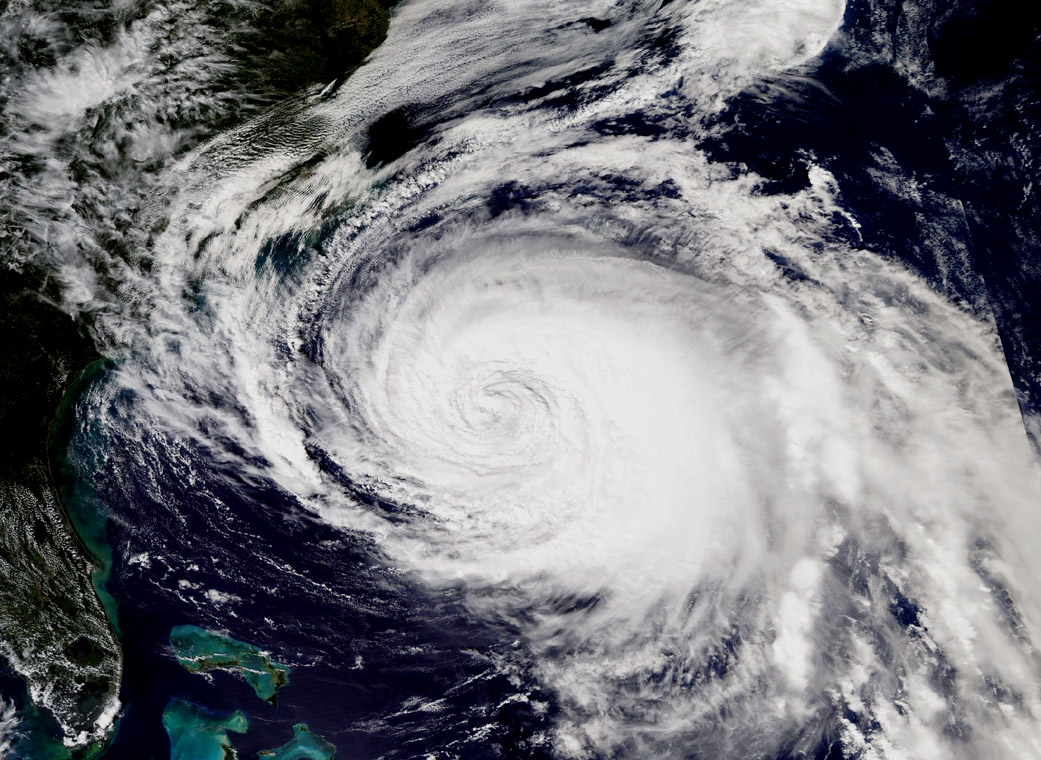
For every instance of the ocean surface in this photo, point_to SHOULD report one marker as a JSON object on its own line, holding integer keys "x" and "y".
{"x": 608, "y": 379}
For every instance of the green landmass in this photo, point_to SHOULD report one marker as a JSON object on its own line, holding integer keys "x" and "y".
{"x": 76, "y": 496}
{"x": 303, "y": 746}
{"x": 306, "y": 41}
{"x": 198, "y": 734}
{"x": 38, "y": 739}
{"x": 54, "y": 632}
{"x": 199, "y": 650}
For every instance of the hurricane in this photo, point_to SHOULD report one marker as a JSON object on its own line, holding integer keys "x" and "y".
{"x": 477, "y": 385}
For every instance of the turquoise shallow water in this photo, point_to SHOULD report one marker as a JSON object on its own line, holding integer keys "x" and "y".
{"x": 303, "y": 746}
{"x": 41, "y": 737}
{"x": 198, "y": 734}
{"x": 79, "y": 501}
{"x": 199, "y": 650}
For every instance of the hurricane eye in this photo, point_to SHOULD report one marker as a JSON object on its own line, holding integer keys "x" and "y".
{"x": 520, "y": 379}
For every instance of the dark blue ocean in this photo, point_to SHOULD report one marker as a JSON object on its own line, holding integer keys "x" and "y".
{"x": 932, "y": 133}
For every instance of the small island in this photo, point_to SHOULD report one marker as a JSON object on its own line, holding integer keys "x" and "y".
{"x": 303, "y": 746}
{"x": 198, "y": 734}
{"x": 199, "y": 650}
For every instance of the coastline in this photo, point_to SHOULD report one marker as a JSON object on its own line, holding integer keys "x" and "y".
{"x": 59, "y": 626}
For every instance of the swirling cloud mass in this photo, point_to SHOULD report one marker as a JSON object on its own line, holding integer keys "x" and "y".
{"x": 722, "y": 481}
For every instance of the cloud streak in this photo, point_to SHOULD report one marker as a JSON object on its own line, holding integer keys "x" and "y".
{"x": 737, "y": 487}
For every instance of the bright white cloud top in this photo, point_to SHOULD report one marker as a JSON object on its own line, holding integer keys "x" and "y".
{"x": 737, "y": 487}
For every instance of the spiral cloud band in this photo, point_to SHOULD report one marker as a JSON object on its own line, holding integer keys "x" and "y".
{"x": 734, "y": 486}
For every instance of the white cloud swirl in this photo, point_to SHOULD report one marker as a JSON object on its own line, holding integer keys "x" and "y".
{"x": 737, "y": 487}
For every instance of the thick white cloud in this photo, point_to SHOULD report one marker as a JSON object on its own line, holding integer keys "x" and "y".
{"x": 725, "y": 509}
